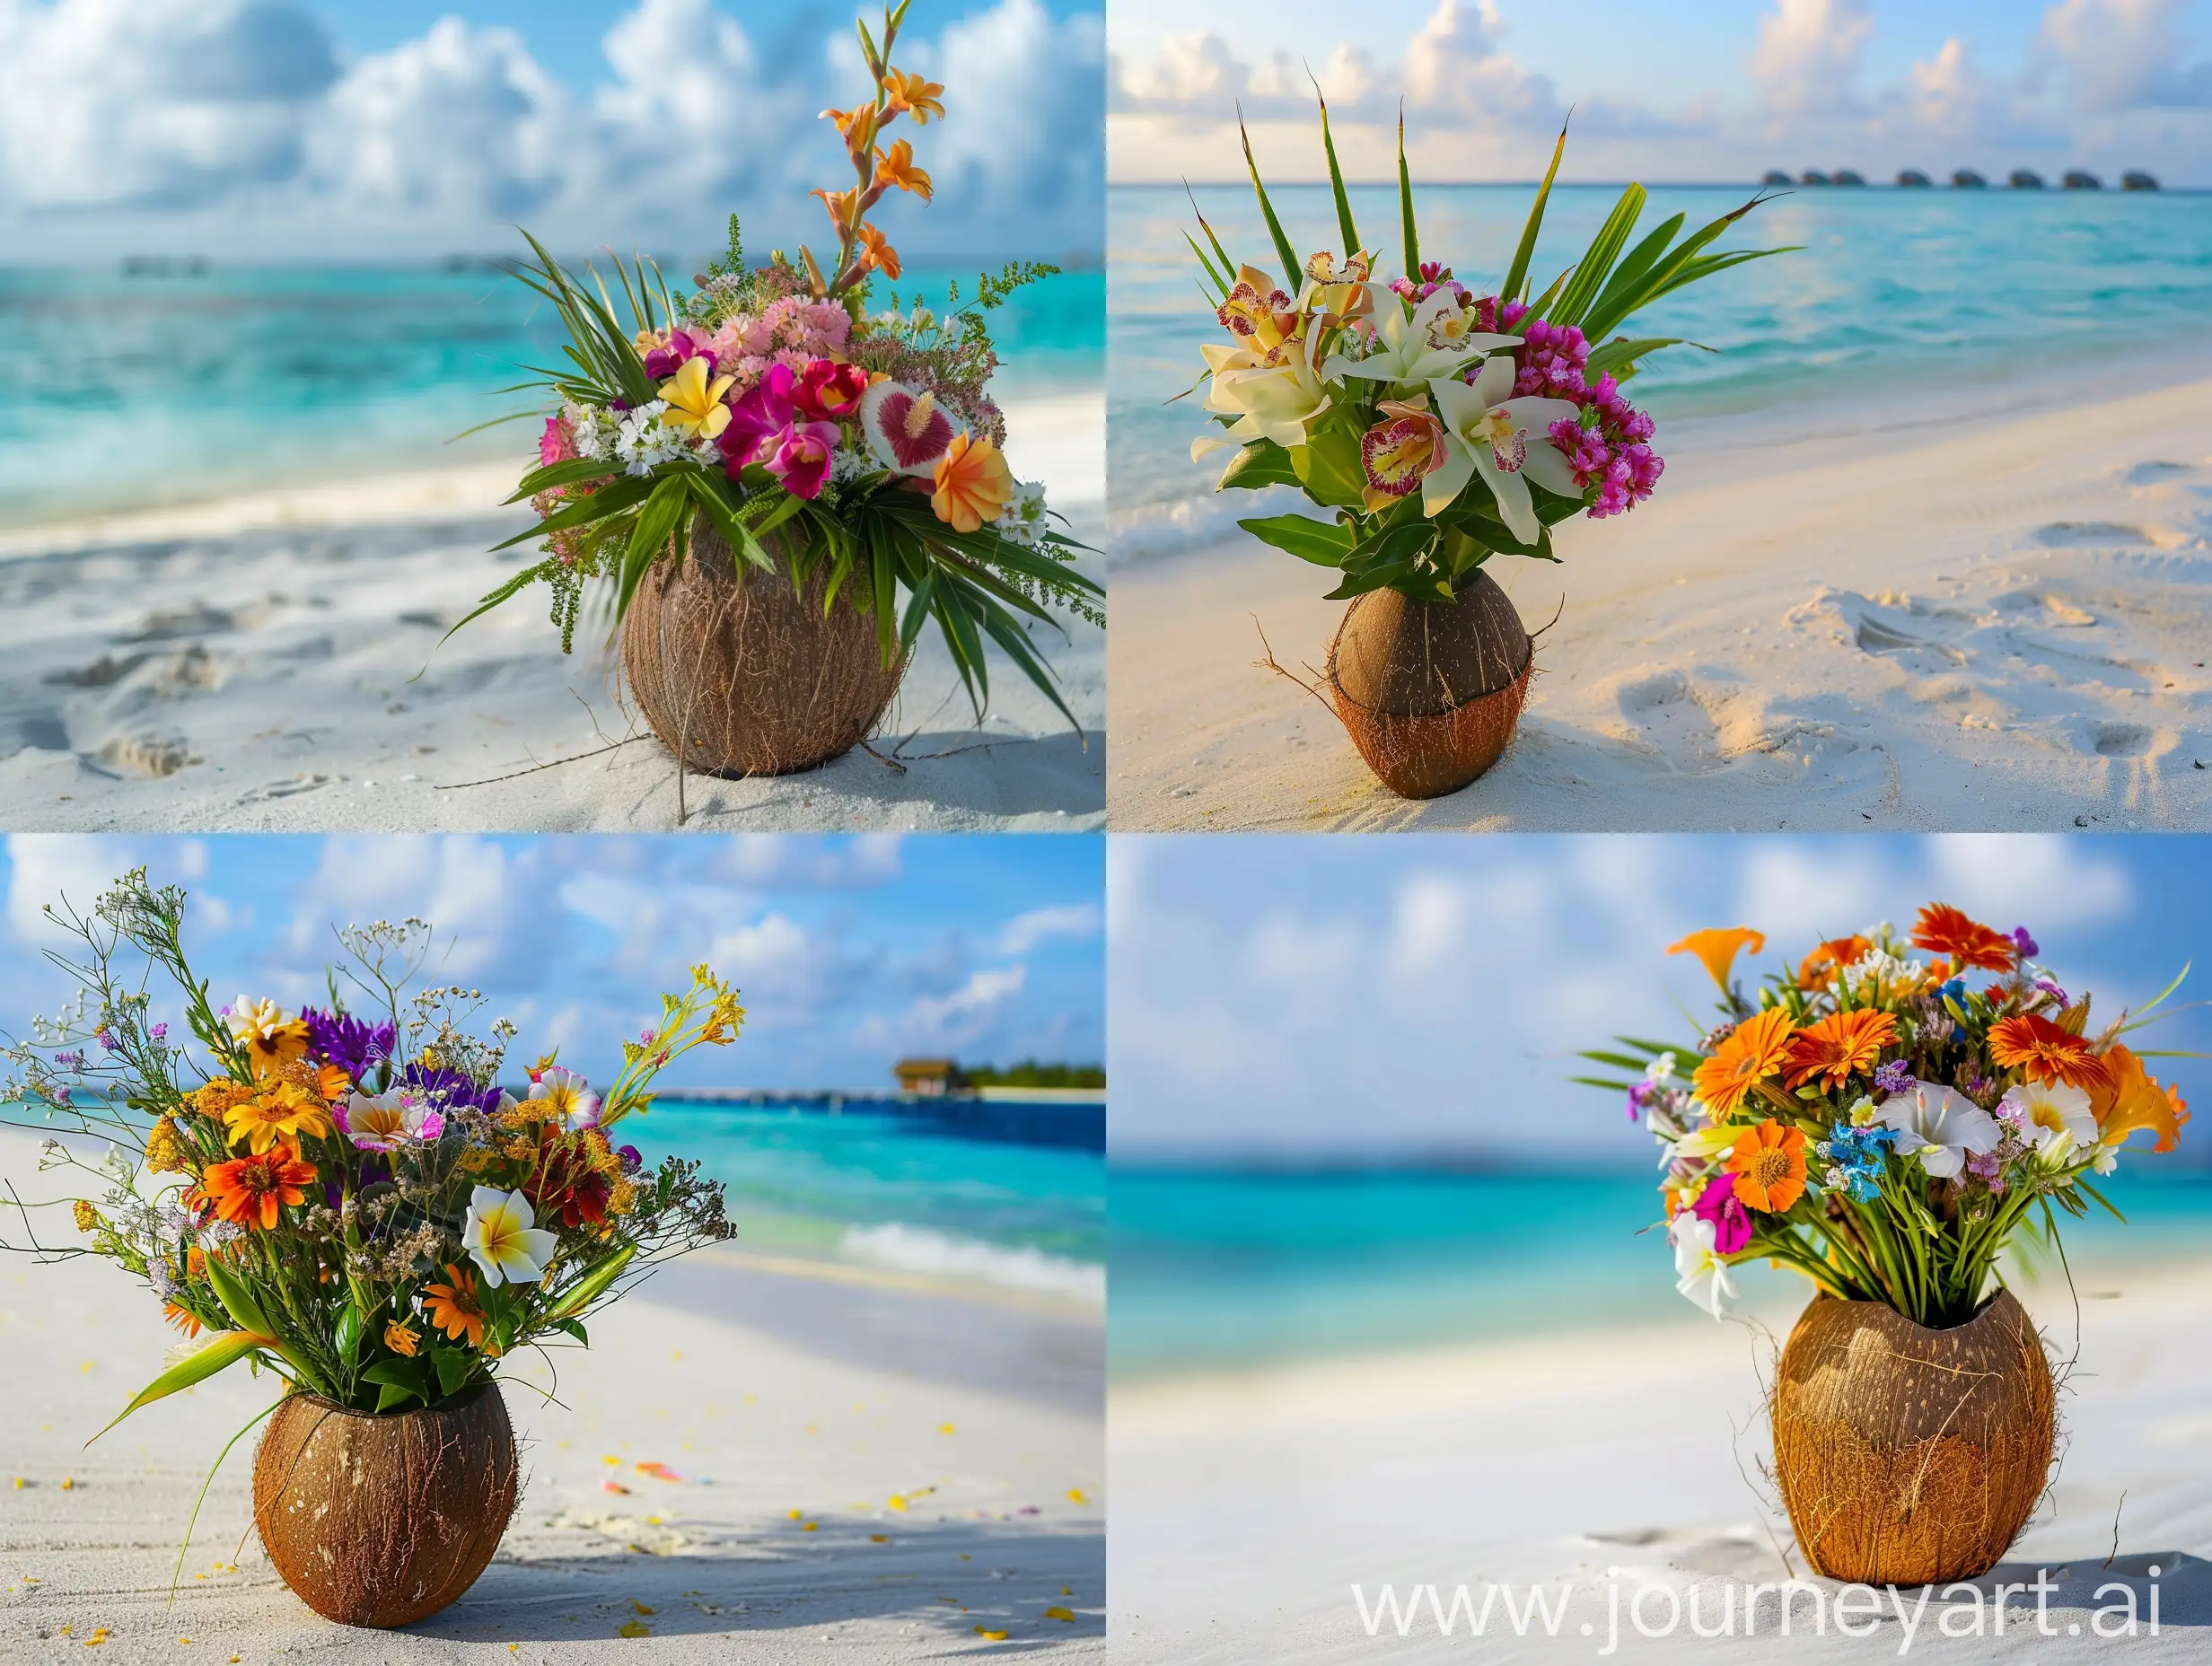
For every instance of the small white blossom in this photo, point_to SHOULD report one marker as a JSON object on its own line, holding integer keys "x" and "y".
{"x": 643, "y": 445}
{"x": 1023, "y": 521}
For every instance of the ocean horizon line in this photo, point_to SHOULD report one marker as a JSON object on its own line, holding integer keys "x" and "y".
{"x": 1995, "y": 189}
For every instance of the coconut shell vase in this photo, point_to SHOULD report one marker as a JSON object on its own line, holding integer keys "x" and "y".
{"x": 1431, "y": 691}
{"x": 382, "y": 1520}
{"x": 1908, "y": 1456}
{"x": 744, "y": 672}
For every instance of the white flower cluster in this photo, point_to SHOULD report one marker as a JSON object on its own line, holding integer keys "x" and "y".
{"x": 1023, "y": 521}
{"x": 643, "y": 444}
{"x": 847, "y": 463}
{"x": 589, "y": 430}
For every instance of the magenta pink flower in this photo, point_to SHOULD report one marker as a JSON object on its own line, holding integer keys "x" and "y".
{"x": 556, "y": 444}
{"x": 801, "y": 456}
{"x": 682, "y": 344}
{"x": 1732, "y": 1221}
{"x": 762, "y": 414}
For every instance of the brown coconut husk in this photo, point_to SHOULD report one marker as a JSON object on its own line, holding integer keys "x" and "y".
{"x": 1907, "y": 1455}
{"x": 1431, "y": 691}
{"x": 740, "y": 673}
{"x": 384, "y": 1520}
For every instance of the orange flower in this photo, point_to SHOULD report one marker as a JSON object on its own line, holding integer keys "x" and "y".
{"x": 1719, "y": 947}
{"x": 401, "y": 1339}
{"x": 1967, "y": 944}
{"x": 876, "y": 252}
{"x": 454, "y": 1308}
{"x": 912, "y": 94}
{"x": 1838, "y": 1047}
{"x": 973, "y": 484}
{"x": 840, "y": 206}
{"x": 249, "y": 1190}
{"x": 855, "y": 127}
{"x": 196, "y": 1263}
{"x": 2042, "y": 1051}
{"x": 2132, "y": 1099}
{"x": 182, "y": 1318}
{"x": 1768, "y": 1162}
{"x": 1819, "y": 968}
{"x": 1755, "y": 1051}
{"x": 896, "y": 167}
{"x": 278, "y": 1118}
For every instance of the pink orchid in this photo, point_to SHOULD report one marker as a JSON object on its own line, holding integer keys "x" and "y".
{"x": 556, "y": 444}
{"x": 663, "y": 361}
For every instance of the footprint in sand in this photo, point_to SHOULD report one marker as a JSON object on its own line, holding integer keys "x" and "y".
{"x": 291, "y": 788}
{"x": 34, "y": 732}
{"x": 147, "y": 757}
{"x": 2117, "y": 739}
{"x": 199, "y": 619}
{"x": 103, "y": 673}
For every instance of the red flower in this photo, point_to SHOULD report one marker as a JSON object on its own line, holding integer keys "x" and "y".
{"x": 570, "y": 1180}
{"x": 1967, "y": 944}
{"x": 829, "y": 391}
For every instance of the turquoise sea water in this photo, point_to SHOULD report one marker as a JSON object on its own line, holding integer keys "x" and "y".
{"x": 1222, "y": 1268}
{"x": 896, "y": 1190}
{"x": 1897, "y": 293}
{"x": 120, "y": 389}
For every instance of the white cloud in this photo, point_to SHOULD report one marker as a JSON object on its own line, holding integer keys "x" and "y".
{"x": 767, "y": 862}
{"x": 1079, "y": 922}
{"x": 489, "y": 906}
{"x": 2124, "y": 55}
{"x": 238, "y": 112}
{"x": 1808, "y": 55}
{"x": 966, "y": 1015}
{"x": 1455, "y": 65}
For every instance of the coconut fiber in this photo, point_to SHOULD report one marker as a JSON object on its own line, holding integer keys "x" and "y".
{"x": 1908, "y": 1456}
{"x": 384, "y": 1520}
{"x": 1430, "y": 691}
{"x": 740, "y": 673}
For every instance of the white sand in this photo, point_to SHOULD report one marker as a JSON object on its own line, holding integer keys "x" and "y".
{"x": 1246, "y": 1508}
{"x": 1993, "y": 621}
{"x": 246, "y": 664}
{"x": 795, "y": 1408}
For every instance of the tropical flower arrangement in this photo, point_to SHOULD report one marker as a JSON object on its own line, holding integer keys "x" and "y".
{"x": 1440, "y": 426}
{"x": 345, "y": 1196}
{"x": 779, "y": 399}
{"x": 1887, "y": 1122}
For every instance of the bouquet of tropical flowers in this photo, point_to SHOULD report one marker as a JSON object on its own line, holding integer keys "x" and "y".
{"x": 781, "y": 399}
{"x": 1441, "y": 426}
{"x": 347, "y": 1196}
{"x": 1886, "y": 1122}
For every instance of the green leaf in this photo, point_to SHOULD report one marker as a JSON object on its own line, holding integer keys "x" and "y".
{"x": 1283, "y": 250}
{"x": 232, "y": 1291}
{"x": 610, "y": 500}
{"x": 1318, "y": 541}
{"x": 1407, "y": 231}
{"x": 391, "y": 1394}
{"x": 1328, "y": 468}
{"x": 1344, "y": 228}
{"x": 408, "y": 1378}
{"x": 657, "y": 523}
{"x": 1638, "y": 261}
{"x": 454, "y": 1368}
{"x": 574, "y": 1327}
{"x": 347, "y": 1335}
{"x": 567, "y": 473}
{"x": 1261, "y": 463}
{"x": 1621, "y": 352}
{"x": 1589, "y": 271}
{"x": 1517, "y": 275}
{"x": 593, "y": 1285}
{"x": 219, "y": 1352}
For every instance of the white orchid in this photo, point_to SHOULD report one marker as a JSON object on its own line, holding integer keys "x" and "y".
{"x": 1486, "y": 432}
{"x": 1941, "y": 1128}
{"x": 1432, "y": 342}
{"x": 1702, "y": 1275}
{"x": 1270, "y": 402}
{"x": 2050, "y": 1116}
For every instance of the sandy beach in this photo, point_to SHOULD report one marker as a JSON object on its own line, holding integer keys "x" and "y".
{"x": 252, "y": 664}
{"x": 1247, "y": 1506}
{"x": 1881, "y": 618}
{"x": 871, "y": 1468}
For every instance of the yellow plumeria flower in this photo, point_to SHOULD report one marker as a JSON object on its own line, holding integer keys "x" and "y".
{"x": 694, "y": 404}
{"x": 502, "y": 1236}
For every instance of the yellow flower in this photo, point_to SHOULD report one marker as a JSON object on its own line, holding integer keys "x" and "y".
{"x": 266, "y": 1036}
{"x": 855, "y": 127}
{"x": 401, "y": 1340}
{"x": 283, "y": 1115}
{"x": 913, "y": 94}
{"x": 87, "y": 1217}
{"x": 973, "y": 484}
{"x": 896, "y": 167}
{"x": 694, "y": 404}
{"x": 1718, "y": 948}
{"x": 164, "y": 1156}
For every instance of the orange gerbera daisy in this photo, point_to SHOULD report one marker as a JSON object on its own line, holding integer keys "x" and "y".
{"x": 1719, "y": 946}
{"x": 2042, "y": 1051}
{"x": 454, "y": 1308}
{"x": 1818, "y": 969}
{"x": 1768, "y": 1162}
{"x": 249, "y": 1190}
{"x": 1755, "y": 1051}
{"x": 1967, "y": 944}
{"x": 2132, "y": 1099}
{"x": 1839, "y": 1048}
{"x": 277, "y": 1119}
{"x": 183, "y": 1319}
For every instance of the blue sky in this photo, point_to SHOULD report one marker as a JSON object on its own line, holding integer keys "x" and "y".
{"x": 1370, "y": 997}
{"x": 1718, "y": 90}
{"x": 242, "y": 128}
{"x": 849, "y": 952}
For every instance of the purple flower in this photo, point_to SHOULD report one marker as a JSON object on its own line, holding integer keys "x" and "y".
{"x": 2029, "y": 949}
{"x": 1732, "y": 1221}
{"x": 107, "y": 1041}
{"x": 2054, "y": 992}
{"x": 632, "y": 1158}
{"x": 1988, "y": 1168}
{"x": 159, "y": 1032}
{"x": 342, "y": 1039}
{"x": 1895, "y": 1077}
{"x": 74, "y": 1061}
{"x": 448, "y": 1089}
